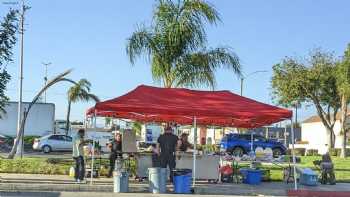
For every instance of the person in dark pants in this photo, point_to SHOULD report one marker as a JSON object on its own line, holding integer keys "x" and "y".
{"x": 167, "y": 145}
{"x": 116, "y": 152}
{"x": 78, "y": 155}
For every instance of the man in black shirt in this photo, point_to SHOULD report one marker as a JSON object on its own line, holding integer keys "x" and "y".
{"x": 167, "y": 145}
{"x": 116, "y": 152}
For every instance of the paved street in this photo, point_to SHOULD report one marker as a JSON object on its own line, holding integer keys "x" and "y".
{"x": 54, "y": 184}
{"x": 86, "y": 194}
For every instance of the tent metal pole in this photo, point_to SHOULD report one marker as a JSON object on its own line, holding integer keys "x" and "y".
{"x": 285, "y": 136}
{"x": 194, "y": 150}
{"x": 293, "y": 154}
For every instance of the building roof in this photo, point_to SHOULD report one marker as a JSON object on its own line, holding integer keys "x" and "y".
{"x": 317, "y": 118}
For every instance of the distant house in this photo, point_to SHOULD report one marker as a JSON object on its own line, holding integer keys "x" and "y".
{"x": 314, "y": 134}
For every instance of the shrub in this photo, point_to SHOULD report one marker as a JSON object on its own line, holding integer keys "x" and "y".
{"x": 30, "y": 139}
{"x": 300, "y": 151}
{"x": 335, "y": 152}
{"x": 312, "y": 152}
{"x": 33, "y": 166}
{"x": 347, "y": 152}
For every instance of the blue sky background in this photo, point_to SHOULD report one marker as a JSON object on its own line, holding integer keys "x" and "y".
{"x": 90, "y": 37}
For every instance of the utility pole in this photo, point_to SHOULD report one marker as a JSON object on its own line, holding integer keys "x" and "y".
{"x": 45, "y": 78}
{"x": 20, "y": 84}
{"x": 242, "y": 79}
{"x": 246, "y": 76}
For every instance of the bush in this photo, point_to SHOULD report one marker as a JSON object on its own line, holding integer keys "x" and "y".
{"x": 347, "y": 152}
{"x": 30, "y": 139}
{"x": 335, "y": 152}
{"x": 312, "y": 152}
{"x": 300, "y": 151}
{"x": 32, "y": 166}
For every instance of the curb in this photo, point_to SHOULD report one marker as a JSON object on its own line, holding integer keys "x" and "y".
{"x": 64, "y": 188}
{"x": 201, "y": 190}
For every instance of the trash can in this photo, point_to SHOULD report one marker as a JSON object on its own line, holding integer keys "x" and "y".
{"x": 250, "y": 176}
{"x": 121, "y": 181}
{"x": 182, "y": 181}
{"x": 308, "y": 177}
{"x": 157, "y": 180}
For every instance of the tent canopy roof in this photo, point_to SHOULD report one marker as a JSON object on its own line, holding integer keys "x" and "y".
{"x": 224, "y": 108}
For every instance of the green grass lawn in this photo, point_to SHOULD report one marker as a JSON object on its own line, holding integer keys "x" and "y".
{"x": 61, "y": 166}
{"x": 52, "y": 166}
{"x": 342, "y": 168}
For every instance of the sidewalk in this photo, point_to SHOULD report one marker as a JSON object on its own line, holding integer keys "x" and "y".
{"x": 63, "y": 183}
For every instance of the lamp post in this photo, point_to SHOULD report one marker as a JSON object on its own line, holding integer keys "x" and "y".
{"x": 45, "y": 78}
{"x": 246, "y": 76}
{"x": 20, "y": 81}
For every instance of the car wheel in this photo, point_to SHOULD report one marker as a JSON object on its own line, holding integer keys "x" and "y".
{"x": 237, "y": 151}
{"x": 46, "y": 149}
{"x": 277, "y": 152}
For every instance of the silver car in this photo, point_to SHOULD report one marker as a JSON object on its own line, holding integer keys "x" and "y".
{"x": 53, "y": 142}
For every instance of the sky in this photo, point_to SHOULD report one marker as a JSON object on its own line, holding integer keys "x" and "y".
{"x": 90, "y": 37}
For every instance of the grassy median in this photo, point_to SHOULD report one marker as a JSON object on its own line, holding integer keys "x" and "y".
{"x": 62, "y": 166}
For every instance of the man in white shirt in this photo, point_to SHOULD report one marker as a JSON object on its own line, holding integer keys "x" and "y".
{"x": 78, "y": 155}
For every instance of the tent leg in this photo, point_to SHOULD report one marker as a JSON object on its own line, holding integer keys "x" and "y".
{"x": 194, "y": 150}
{"x": 285, "y": 136}
{"x": 94, "y": 120}
{"x": 293, "y": 154}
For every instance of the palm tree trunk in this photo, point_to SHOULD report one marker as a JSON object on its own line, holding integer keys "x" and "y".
{"x": 68, "y": 116}
{"x": 343, "y": 125}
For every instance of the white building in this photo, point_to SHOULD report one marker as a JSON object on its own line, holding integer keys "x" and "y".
{"x": 314, "y": 134}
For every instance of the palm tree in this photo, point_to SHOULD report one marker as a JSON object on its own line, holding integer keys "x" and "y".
{"x": 79, "y": 92}
{"x": 176, "y": 42}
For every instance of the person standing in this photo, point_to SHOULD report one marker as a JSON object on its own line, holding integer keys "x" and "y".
{"x": 78, "y": 155}
{"x": 167, "y": 145}
{"x": 116, "y": 152}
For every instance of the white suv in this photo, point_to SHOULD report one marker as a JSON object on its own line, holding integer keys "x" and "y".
{"x": 53, "y": 142}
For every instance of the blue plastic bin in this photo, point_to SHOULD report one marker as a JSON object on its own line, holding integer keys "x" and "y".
{"x": 308, "y": 177}
{"x": 250, "y": 176}
{"x": 182, "y": 181}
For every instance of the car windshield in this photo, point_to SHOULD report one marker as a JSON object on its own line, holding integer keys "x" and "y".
{"x": 259, "y": 138}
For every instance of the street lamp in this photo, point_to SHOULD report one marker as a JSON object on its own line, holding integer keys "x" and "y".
{"x": 45, "y": 78}
{"x": 250, "y": 74}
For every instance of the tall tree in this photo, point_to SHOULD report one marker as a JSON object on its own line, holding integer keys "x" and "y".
{"x": 8, "y": 29}
{"x": 175, "y": 44}
{"x": 343, "y": 83}
{"x": 79, "y": 92}
{"x": 311, "y": 81}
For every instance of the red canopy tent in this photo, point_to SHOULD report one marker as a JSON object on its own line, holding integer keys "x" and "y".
{"x": 184, "y": 106}
{"x": 146, "y": 103}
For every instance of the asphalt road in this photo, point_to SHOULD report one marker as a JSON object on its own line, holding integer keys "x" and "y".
{"x": 86, "y": 194}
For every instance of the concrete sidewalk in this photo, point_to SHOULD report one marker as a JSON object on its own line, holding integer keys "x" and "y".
{"x": 62, "y": 183}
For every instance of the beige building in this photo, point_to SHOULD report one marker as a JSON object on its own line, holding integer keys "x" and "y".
{"x": 314, "y": 134}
